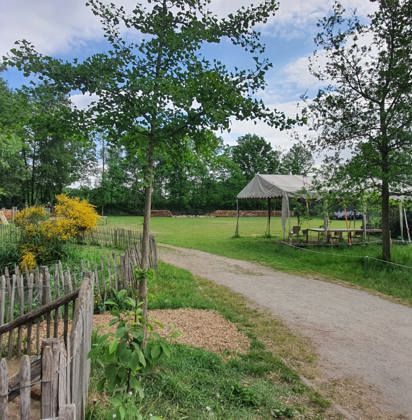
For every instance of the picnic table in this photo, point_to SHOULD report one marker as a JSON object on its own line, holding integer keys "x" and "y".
{"x": 337, "y": 233}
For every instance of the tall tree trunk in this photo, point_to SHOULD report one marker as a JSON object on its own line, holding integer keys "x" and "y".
{"x": 386, "y": 234}
{"x": 384, "y": 149}
{"x": 148, "y": 179}
{"x": 33, "y": 178}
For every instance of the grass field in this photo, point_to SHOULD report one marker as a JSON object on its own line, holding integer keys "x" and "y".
{"x": 197, "y": 384}
{"x": 215, "y": 235}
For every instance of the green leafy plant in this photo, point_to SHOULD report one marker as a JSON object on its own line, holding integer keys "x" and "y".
{"x": 124, "y": 407}
{"x": 120, "y": 354}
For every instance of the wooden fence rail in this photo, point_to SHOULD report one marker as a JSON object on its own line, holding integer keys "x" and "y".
{"x": 21, "y": 293}
{"x": 113, "y": 237}
{"x": 50, "y": 312}
{"x": 63, "y": 369}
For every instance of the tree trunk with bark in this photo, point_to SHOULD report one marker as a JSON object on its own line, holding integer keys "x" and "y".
{"x": 148, "y": 179}
{"x": 386, "y": 233}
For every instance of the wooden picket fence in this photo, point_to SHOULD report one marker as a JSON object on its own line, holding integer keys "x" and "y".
{"x": 9, "y": 233}
{"x": 9, "y": 214}
{"x": 49, "y": 312}
{"x": 21, "y": 293}
{"x": 112, "y": 237}
{"x": 118, "y": 238}
{"x": 63, "y": 370}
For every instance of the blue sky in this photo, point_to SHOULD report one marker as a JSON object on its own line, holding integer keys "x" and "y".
{"x": 67, "y": 29}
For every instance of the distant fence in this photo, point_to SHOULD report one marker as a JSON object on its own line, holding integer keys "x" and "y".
{"x": 9, "y": 233}
{"x": 63, "y": 370}
{"x": 115, "y": 238}
{"x": 246, "y": 213}
{"x": 368, "y": 261}
{"x": 102, "y": 235}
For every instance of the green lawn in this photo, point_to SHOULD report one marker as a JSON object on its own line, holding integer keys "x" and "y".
{"x": 215, "y": 235}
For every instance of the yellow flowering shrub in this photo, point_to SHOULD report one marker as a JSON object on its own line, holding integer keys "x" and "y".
{"x": 29, "y": 217}
{"x": 28, "y": 261}
{"x": 42, "y": 236}
{"x": 81, "y": 214}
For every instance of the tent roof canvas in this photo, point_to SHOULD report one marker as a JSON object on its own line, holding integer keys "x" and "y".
{"x": 270, "y": 186}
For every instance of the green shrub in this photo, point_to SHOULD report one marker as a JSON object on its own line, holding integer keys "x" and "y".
{"x": 9, "y": 255}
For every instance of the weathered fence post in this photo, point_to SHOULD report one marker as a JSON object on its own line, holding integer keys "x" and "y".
{"x": 81, "y": 345}
{"x": 25, "y": 386}
{"x": 57, "y": 394}
{"x": 4, "y": 389}
{"x": 47, "y": 365}
{"x": 2, "y": 304}
{"x": 67, "y": 412}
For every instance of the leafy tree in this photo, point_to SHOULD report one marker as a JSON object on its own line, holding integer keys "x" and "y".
{"x": 366, "y": 109}
{"x": 255, "y": 155}
{"x": 298, "y": 160}
{"x": 160, "y": 79}
{"x": 55, "y": 149}
{"x": 42, "y": 149}
{"x": 12, "y": 172}
{"x": 190, "y": 177}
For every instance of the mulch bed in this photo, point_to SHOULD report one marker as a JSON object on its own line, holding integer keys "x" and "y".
{"x": 193, "y": 327}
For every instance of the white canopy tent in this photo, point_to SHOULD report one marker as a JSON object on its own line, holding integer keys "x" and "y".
{"x": 401, "y": 197}
{"x": 275, "y": 186}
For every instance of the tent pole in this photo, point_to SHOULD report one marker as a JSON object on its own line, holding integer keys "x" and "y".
{"x": 401, "y": 218}
{"x": 407, "y": 225}
{"x": 365, "y": 222}
{"x": 237, "y": 219}
{"x": 269, "y": 214}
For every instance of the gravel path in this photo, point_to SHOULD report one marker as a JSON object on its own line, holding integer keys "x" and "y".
{"x": 356, "y": 334}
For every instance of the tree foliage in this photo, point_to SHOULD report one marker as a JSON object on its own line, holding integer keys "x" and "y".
{"x": 43, "y": 146}
{"x": 255, "y": 155}
{"x": 298, "y": 160}
{"x": 159, "y": 79}
{"x": 364, "y": 115}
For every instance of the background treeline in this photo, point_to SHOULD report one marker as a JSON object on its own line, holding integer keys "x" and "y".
{"x": 189, "y": 179}
{"x": 43, "y": 146}
{"x": 46, "y": 148}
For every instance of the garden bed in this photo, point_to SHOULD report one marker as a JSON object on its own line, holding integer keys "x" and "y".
{"x": 193, "y": 327}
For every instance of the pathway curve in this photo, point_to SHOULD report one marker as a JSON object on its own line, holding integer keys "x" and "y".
{"x": 355, "y": 333}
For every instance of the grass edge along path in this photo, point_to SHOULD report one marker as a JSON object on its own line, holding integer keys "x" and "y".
{"x": 198, "y": 384}
{"x": 339, "y": 264}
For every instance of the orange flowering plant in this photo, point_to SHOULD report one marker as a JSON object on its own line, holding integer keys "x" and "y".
{"x": 43, "y": 236}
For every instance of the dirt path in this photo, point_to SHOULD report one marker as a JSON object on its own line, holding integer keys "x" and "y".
{"x": 357, "y": 335}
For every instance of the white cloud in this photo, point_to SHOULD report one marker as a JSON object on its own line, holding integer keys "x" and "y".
{"x": 57, "y": 26}
{"x": 296, "y": 75}
{"x": 280, "y": 140}
{"x": 296, "y": 18}
{"x": 53, "y": 26}
{"x": 82, "y": 101}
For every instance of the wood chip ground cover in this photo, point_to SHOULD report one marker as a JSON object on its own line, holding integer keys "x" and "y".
{"x": 193, "y": 327}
